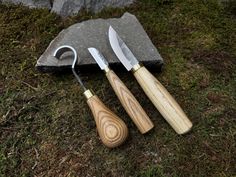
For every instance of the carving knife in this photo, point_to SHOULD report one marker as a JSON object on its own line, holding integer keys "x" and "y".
{"x": 155, "y": 91}
{"x": 128, "y": 101}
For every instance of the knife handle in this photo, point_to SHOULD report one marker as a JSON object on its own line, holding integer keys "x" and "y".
{"x": 130, "y": 104}
{"x": 111, "y": 129}
{"x": 163, "y": 101}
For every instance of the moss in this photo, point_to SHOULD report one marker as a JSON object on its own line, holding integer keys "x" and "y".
{"x": 46, "y": 127}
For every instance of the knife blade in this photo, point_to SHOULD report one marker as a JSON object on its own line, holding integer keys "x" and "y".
{"x": 126, "y": 57}
{"x": 127, "y": 99}
{"x": 99, "y": 58}
{"x": 155, "y": 91}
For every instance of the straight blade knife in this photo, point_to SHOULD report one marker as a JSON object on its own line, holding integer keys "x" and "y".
{"x": 127, "y": 99}
{"x": 155, "y": 91}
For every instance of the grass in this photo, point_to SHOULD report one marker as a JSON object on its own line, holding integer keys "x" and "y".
{"x": 46, "y": 128}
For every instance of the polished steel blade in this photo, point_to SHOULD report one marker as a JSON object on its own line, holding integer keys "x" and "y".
{"x": 121, "y": 50}
{"x": 99, "y": 58}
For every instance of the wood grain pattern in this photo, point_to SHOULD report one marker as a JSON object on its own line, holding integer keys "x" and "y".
{"x": 111, "y": 129}
{"x": 130, "y": 104}
{"x": 163, "y": 101}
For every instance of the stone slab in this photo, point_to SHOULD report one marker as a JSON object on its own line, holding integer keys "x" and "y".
{"x": 94, "y": 33}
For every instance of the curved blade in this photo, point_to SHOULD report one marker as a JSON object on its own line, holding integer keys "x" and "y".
{"x": 121, "y": 50}
{"x": 99, "y": 58}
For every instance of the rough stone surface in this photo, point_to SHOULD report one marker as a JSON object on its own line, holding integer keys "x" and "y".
{"x": 94, "y": 33}
{"x": 31, "y": 3}
{"x": 67, "y": 7}
{"x": 97, "y": 6}
{"x": 70, "y": 7}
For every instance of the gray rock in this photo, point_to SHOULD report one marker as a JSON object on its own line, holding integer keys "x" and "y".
{"x": 97, "y": 6}
{"x": 67, "y": 7}
{"x": 71, "y": 7}
{"x": 94, "y": 33}
{"x": 31, "y": 3}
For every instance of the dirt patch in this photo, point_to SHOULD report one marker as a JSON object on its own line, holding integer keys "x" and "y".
{"x": 217, "y": 61}
{"x": 216, "y": 97}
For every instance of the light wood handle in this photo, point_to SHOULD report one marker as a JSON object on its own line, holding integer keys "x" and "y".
{"x": 130, "y": 104}
{"x": 163, "y": 101}
{"x": 111, "y": 129}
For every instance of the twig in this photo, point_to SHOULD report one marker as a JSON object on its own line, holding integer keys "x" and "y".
{"x": 4, "y": 117}
{"x": 37, "y": 157}
{"x": 30, "y": 86}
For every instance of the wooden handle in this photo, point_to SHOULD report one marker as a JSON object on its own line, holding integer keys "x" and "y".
{"x": 163, "y": 101}
{"x": 130, "y": 104}
{"x": 111, "y": 129}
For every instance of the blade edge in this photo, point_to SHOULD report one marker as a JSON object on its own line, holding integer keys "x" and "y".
{"x": 98, "y": 57}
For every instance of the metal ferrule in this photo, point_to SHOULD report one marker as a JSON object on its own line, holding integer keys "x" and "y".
{"x": 136, "y": 67}
{"x": 88, "y": 94}
{"x": 107, "y": 69}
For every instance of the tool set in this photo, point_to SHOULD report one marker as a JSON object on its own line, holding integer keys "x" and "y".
{"x": 111, "y": 129}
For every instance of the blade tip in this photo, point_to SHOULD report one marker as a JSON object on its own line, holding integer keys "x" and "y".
{"x": 111, "y": 29}
{"x": 90, "y": 49}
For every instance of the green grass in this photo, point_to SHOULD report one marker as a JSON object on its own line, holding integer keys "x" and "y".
{"x": 46, "y": 128}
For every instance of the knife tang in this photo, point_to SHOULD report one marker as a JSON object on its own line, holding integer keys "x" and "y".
{"x": 162, "y": 100}
{"x": 130, "y": 104}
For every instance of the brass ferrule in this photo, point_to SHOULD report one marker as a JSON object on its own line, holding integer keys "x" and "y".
{"x": 107, "y": 69}
{"x": 88, "y": 94}
{"x": 136, "y": 67}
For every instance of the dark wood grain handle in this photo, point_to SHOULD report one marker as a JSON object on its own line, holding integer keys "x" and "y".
{"x": 111, "y": 129}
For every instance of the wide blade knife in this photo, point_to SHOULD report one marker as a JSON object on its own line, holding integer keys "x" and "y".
{"x": 127, "y": 99}
{"x": 156, "y": 92}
